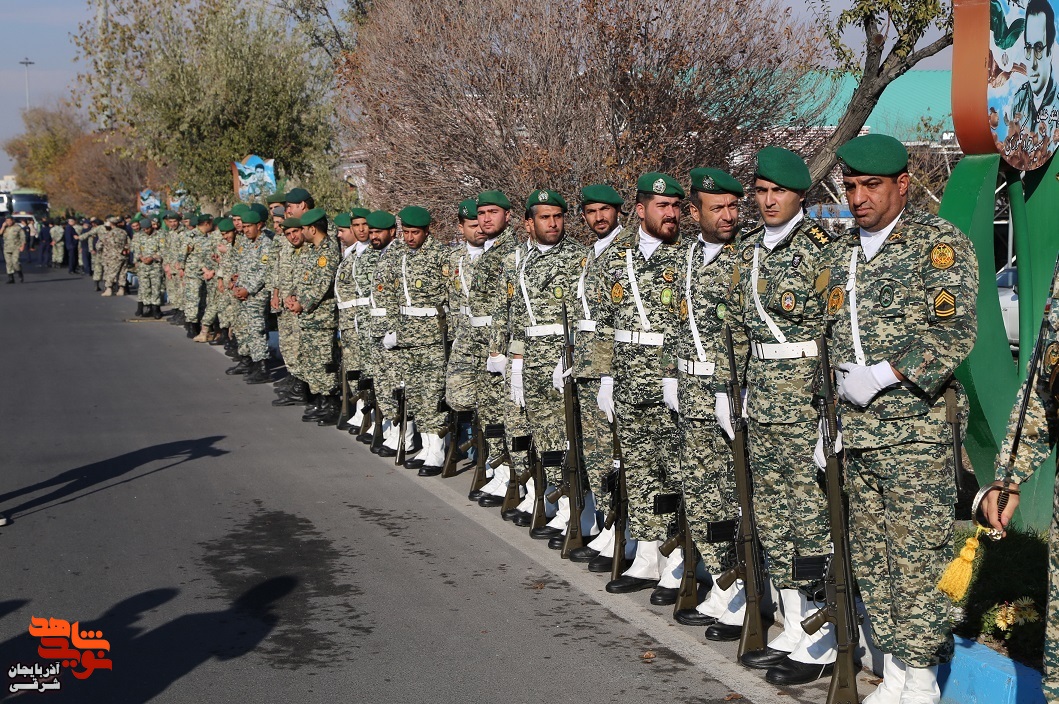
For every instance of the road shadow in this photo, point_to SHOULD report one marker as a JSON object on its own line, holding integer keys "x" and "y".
{"x": 146, "y": 662}
{"x": 76, "y": 483}
{"x": 51, "y": 281}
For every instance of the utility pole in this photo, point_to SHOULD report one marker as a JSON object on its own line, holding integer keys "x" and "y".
{"x": 27, "y": 63}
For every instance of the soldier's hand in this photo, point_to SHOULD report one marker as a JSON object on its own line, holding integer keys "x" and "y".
{"x": 989, "y": 505}
{"x": 558, "y": 376}
{"x": 496, "y": 364}
{"x": 605, "y": 397}
{"x": 722, "y": 411}
{"x": 859, "y": 384}
{"x": 669, "y": 394}
{"x": 389, "y": 340}
{"x": 274, "y": 303}
{"x": 518, "y": 390}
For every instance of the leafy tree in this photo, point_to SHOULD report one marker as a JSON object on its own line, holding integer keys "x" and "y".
{"x": 49, "y": 133}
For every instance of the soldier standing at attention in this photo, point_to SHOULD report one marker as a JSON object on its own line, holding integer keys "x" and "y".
{"x": 382, "y": 228}
{"x": 346, "y": 302}
{"x": 197, "y": 246}
{"x": 901, "y": 301}
{"x": 14, "y": 245}
{"x": 113, "y": 247}
{"x": 173, "y": 266}
{"x": 637, "y": 289}
{"x": 251, "y": 291}
{"x": 774, "y": 307}
{"x": 210, "y": 277}
{"x": 292, "y": 389}
{"x": 147, "y": 255}
{"x": 363, "y": 269}
{"x": 312, "y": 300}
{"x": 58, "y": 245}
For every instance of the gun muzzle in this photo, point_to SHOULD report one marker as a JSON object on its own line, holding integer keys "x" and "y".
{"x": 814, "y": 622}
{"x": 727, "y": 578}
{"x": 671, "y": 544}
{"x": 557, "y": 493}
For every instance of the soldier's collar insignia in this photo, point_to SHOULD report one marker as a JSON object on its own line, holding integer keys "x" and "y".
{"x": 818, "y": 236}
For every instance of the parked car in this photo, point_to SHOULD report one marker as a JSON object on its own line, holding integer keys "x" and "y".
{"x": 1007, "y": 285}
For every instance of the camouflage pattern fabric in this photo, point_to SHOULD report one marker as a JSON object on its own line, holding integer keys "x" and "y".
{"x": 317, "y": 321}
{"x": 58, "y": 244}
{"x": 363, "y": 273}
{"x": 212, "y": 263}
{"x": 253, "y": 269}
{"x": 114, "y": 247}
{"x": 14, "y": 239}
{"x": 197, "y": 248}
{"x": 385, "y": 367}
{"x": 150, "y": 275}
{"x": 465, "y": 367}
{"x": 283, "y": 273}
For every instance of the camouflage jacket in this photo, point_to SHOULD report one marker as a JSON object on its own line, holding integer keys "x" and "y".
{"x": 213, "y": 252}
{"x": 363, "y": 273}
{"x": 314, "y": 284}
{"x": 197, "y": 252}
{"x": 252, "y": 263}
{"x": 546, "y": 282}
{"x": 916, "y": 309}
{"x": 422, "y": 287}
{"x": 778, "y": 390}
{"x": 593, "y": 346}
{"x": 14, "y": 237}
{"x": 488, "y": 294}
{"x": 347, "y": 296}
{"x": 144, "y": 245}
{"x": 500, "y": 328}
{"x": 383, "y": 310}
{"x": 56, "y": 233}
{"x": 113, "y": 242}
{"x": 702, "y": 295}
{"x": 639, "y": 366}
{"x": 175, "y": 247}
{"x": 459, "y": 271}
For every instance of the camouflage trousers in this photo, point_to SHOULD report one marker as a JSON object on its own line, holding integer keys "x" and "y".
{"x": 174, "y": 290}
{"x": 11, "y": 260}
{"x": 901, "y": 519}
{"x": 597, "y": 438}
{"x": 651, "y": 454}
{"x": 423, "y": 374}
{"x": 253, "y": 330}
{"x": 385, "y": 373}
{"x": 462, "y": 377}
{"x": 316, "y": 360}
{"x": 58, "y": 251}
{"x": 114, "y": 269}
{"x": 287, "y": 326}
{"x": 351, "y": 346}
{"x": 546, "y": 416}
{"x": 211, "y": 314}
{"x": 1051, "y": 634}
{"x": 194, "y": 298}
{"x": 150, "y": 290}
{"x": 232, "y": 309}
{"x": 789, "y": 503}
{"x": 516, "y": 425}
{"x": 709, "y": 487}
{"x": 97, "y": 267}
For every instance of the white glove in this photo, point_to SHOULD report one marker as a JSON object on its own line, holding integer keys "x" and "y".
{"x": 818, "y": 451}
{"x": 558, "y": 376}
{"x": 669, "y": 394}
{"x": 496, "y": 364}
{"x": 860, "y": 384}
{"x": 722, "y": 410}
{"x": 389, "y": 340}
{"x": 518, "y": 394}
{"x": 605, "y": 397}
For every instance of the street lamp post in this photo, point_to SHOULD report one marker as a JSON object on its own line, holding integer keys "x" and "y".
{"x": 27, "y": 63}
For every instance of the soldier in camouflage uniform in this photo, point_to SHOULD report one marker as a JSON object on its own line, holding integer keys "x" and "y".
{"x": 900, "y": 296}
{"x": 227, "y": 269}
{"x": 545, "y": 282}
{"x": 705, "y": 459}
{"x": 363, "y": 271}
{"x": 774, "y": 310}
{"x": 346, "y": 302}
{"x": 637, "y": 291}
{"x": 252, "y": 291}
{"x": 210, "y": 277}
{"x": 113, "y": 247}
{"x": 422, "y": 291}
{"x": 173, "y": 264}
{"x": 313, "y": 301}
{"x": 14, "y": 244}
{"x": 197, "y": 248}
{"x": 382, "y": 228}
{"x": 292, "y": 389}
{"x": 600, "y": 208}
{"x": 147, "y": 255}
{"x": 58, "y": 245}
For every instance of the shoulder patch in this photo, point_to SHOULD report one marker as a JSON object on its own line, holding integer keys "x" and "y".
{"x": 944, "y": 304}
{"x": 835, "y": 299}
{"x": 321, "y": 262}
{"x": 942, "y": 256}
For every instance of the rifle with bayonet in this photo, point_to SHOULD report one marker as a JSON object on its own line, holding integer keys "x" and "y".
{"x": 748, "y": 552}
{"x": 840, "y": 607}
{"x": 688, "y": 594}
{"x": 575, "y": 461}
{"x": 402, "y": 415}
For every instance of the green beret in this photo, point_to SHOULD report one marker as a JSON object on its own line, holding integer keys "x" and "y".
{"x": 204, "y": 219}
{"x": 343, "y": 220}
{"x": 414, "y": 216}
{"x": 292, "y": 222}
{"x": 276, "y": 198}
{"x": 659, "y": 184}
{"x": 296, "y": 195}
{"x": 225, "y": 225}
{"x": 545, "y": 197}
{"x": 496, "y": 198}
{"x": 601, "y": 193}
{"x": 715, "y": 181}
{"x": 359, "y": 213}
{"x": 238, "y": 210}
{"x": 252, "y": 217}
{"x": 171, "y": 215}
{"x": 874, "y": 154}
{"x": 261, "y": 210}
{"x": 381, "y": 220}
{"x": 783, "y": 168}
{"x": 468, "y": 210}
{"x": 314, "y": 216}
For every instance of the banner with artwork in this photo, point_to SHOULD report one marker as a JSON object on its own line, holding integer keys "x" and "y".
{"x": 254, "y": 178}
{"x": 149, "y": 202}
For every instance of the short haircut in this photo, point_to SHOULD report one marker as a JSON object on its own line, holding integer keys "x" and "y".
{"x": 1043, "y": 7}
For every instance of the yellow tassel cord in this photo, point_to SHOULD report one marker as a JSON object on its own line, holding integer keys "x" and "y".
{"x": 957, "y": 576}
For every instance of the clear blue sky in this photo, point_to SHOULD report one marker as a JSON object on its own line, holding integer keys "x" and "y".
{"x": 41, "y": 30}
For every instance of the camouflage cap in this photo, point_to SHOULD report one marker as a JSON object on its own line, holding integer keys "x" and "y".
{"x": 545, "y": 197}
{"x": 414, "y": 216}
{"x": 296, "y": 195}
{"x": 359, "y": 213}
{"x": 468, "y": 210}
{"x": 381, "y": 220}
{"x": 659, "y": 184}
{"x": 113, "y": 219}
{"x": 601, "y": 193}
{"x": 313, "y": 216}
{"x": 496, "y": 198}
{"x": 874, "y": 154}
{"x": 343, "y": 220}
{"x": 225, "y": 225}
{"x": 710, "y": 180}
{"x": 783, "y": 168}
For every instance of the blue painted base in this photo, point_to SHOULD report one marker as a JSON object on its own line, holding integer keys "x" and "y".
{"x": 979, "y": 675}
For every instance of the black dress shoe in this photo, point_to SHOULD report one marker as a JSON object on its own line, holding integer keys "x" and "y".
{"x": 602, "y": 563}
{"x": 490, "y": 501}
{"x": 509, "y": 514}
{"x": 691, "y": 617}
{"x": 789, "y": 672}
{"x": 364, "y": 438}
{"x": 627, "y": 585}
{"x": 343, "y": 424}
{"x": 475, "y": 495}
{"x": 723, "y": 633}
{"x": 386, "y": 452}
{"x": 664, "y": 596}
{"x": 583, "y": 554}
{"x": 412, "y": 464}
{"x": 425, "y": 471}
{"x": 545, "y": 533}
{"x": 556, "y": 542}
{"x": 763, "y": 659}
{"x": 524, "y": 519}
{"x": 285, "y": 401}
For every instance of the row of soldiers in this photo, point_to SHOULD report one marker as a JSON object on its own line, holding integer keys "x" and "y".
{"x": 412, "y": 344}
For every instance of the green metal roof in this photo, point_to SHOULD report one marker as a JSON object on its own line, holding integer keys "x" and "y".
{"x": 913, "y": 96}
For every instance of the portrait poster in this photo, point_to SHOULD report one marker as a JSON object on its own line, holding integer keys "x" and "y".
{"x": 254, "y": 178}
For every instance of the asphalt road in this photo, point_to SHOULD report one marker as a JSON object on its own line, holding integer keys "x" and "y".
{"x": 229, "y": 552}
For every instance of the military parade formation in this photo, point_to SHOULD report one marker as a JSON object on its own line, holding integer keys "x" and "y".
{"x": 653, "y": 404}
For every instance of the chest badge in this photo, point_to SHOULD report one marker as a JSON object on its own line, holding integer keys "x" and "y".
{"x": 617, "y": 293}
{"x": 557, "y": 291}
{"x": 886, "y": 295}
{"x": 668, "y": 275}
{"x": 722, "y": 310}
{"x": 835, "y": 299}
{"x": 667, "y": 296}
{"x": 321, "y": 262}
{"x": 419, "y": 283}
{"x": 748, "y": 253}
{"x": 787, "y": 301}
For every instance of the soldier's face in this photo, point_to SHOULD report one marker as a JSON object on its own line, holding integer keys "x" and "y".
{"x": 472, "y": 233}
{"x": 277, "y": 223}
{"x": 876, "y": 201}
{"x": 380, "y": 238}
{"x": 294, "y": 236}
{"x": 414, "y": 237}
{"x": 252, "y": 231}
{"x": 360, "y": 229}
{"x": 548, "y": 223}
{"x": 1035, "y": 41}
{"x": 716, "y": 214}
{"x": 171, "y": 223}
{"x": 601, "y": 218}
{"x": 238, "y": 223}
{"x": 777, "y": 205}
{"x": 660, "y": 217}
{"x": 296, "y": 210}
{"x": 345, "y": 236}
{"x": 492, "y": 219}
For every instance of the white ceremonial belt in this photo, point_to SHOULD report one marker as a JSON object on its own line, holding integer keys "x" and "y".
{"x": 544, "y": 330}
{"x": 466, "y": 310}
{"x": 696, "y": 368}
{"x": 784, "y": 350}
{"x": 586, "y": 325}
{"x": 417, "y": 312}
{"x": 481, "y": 321}
{"x": 377, "y": 312}
{"x": 652, "y": 339}
{"x": 362, "y": 301}
{"x": 346, "y": 304}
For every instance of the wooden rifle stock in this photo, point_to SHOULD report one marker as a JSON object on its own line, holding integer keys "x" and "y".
{"x": 620, "y": 502}
{"x": 575, "y": 461}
